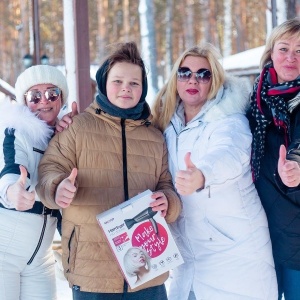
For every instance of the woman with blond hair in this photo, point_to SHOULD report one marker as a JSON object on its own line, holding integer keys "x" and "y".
{"x": 275, "y": 122}
{"x": 137, "y": 263}
{"x": 222, "y": 231}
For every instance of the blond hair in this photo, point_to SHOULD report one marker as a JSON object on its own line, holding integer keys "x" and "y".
{"x": 286, "y": 30}
{"x": 165, "y": 102}
{"x": 131, "y": 268}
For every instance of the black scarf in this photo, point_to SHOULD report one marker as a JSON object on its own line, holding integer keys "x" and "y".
{"x": 140, "y": 111}
{"x": 271, "y": 102}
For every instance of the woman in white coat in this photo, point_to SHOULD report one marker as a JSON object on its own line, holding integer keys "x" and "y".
{"x": 27, "y": 226}
{"x": 222, "y": 231}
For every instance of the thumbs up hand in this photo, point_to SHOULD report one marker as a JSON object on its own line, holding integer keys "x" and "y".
{"x": 66, "y": 190}
{"x": 17, "y": 194}
{"x": 67, "y": 119}
{"x": 288, "y": 170}
{"x": 190, "y": 180}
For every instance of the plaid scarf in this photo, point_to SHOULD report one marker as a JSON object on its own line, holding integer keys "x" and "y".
{"x": 271, "y": 102}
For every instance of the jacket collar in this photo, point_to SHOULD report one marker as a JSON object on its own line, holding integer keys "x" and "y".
{"x": 95, "y": 110}
{"x": 20, "y": 118}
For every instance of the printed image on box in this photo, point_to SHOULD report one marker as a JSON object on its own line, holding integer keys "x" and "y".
{"x": 140, "y": 239}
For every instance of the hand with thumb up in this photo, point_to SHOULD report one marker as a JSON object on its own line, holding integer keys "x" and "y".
{"x": 288, "y": 170}
{"x": 67, "y": 119}
{"x": 66, "y": 190}
{"x": 18, "y": 195}
{"x": 190, "y": 180}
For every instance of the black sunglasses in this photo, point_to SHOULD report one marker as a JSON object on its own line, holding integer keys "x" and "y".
{"x": 185, "y": 74}
{"x": 35, "y": 96}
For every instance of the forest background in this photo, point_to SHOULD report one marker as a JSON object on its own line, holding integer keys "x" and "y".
{"x": 231, "y": 25}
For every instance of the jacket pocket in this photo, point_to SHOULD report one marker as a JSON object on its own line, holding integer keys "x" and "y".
{"x": 72, "y": 246}
{"x": 217, "y": 240}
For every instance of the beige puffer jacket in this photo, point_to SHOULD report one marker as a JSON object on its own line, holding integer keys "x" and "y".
{"x": 93, "y": 144}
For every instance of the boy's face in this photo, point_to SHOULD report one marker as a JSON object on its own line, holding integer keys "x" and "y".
{"x": 124, "y": 85}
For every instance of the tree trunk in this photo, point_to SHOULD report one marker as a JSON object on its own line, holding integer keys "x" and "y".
{"x": 227, "y": 45}
{"x": 291, "y": 9}
{"x": 169, "y": 37}
{"x": 149, "y": 45}
{"x": 188, "y": 24}
{"x": 126, "y": 21}
{"x": 102, "y": 7}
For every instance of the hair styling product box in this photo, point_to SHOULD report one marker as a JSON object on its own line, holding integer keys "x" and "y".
{"x": 140, "y": 239}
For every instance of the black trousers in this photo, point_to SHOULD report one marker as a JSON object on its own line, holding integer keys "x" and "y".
{"x": 153, "y": 293}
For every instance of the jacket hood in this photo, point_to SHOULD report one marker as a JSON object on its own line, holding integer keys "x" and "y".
{"x": 232, "y": 98}
{"x": 20, "y": 118}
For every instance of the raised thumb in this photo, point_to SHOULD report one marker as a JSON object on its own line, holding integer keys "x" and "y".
{"x": 73, "y": 176}
{"x": 188, "y": 162}
{"x": 282, "y": 155}
{"x": 74, "y": 111}
{"x": 23, "y": 175}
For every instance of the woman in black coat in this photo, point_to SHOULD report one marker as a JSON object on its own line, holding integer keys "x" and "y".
{"x": 275, "y": 122}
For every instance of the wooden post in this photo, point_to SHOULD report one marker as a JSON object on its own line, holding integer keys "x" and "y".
{"x": 36, "y": 32}
{"x": 82, "y": 53}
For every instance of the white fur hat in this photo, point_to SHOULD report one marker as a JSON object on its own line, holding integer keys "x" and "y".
{"x": 40, "y": 74}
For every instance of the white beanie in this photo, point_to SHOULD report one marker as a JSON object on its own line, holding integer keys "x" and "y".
{"x": 40, "y": 74}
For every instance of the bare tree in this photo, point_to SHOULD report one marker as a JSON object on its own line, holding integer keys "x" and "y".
{"x": 239, "y": 30}
{"x": 205, "y": 16}
{"x": 126, "y": 20}
{"x": 188, "y": 24}
{"x": 149, "y": 54}
{"x": 102, "y": 8}
{"x": 227, "y": 41}
{"x": 291, "y": 8}
{"x": 169, "y": 37}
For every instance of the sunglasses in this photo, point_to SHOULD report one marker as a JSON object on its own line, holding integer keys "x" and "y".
{"x": 185, "y": 74}
{"x": 35, "y": 96}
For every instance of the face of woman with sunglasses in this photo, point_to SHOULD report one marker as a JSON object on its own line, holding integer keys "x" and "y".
{"x": 46, "y": 110}
{"x": 192, "y": 91}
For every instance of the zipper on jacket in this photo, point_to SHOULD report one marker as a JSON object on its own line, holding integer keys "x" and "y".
{"x": 208, "y": 190}
{"x": 125, "y": 179}
{"x": 177, "y": 138}
{"x": 124, "y": 156}
{"x": 40, "y": 241}
{"x": 69, "y": 247}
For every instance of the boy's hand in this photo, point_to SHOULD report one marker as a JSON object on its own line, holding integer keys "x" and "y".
{"x": 160, "y": 203}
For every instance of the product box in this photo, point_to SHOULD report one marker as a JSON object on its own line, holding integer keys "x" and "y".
{"x": 140, "y": 239}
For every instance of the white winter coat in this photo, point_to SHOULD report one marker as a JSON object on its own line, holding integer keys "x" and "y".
{"x": 28, "y": 136}
{"x": 25, "y": 238}
{"x": 222, "y": 231}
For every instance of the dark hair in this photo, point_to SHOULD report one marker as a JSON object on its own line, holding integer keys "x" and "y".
{"x": 121, "y": 52}
{"x": 125, "y": 52}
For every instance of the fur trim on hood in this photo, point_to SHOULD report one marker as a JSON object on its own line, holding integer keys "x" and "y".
{"x": 232, "y": 98}
{"x": 20, "y": 118}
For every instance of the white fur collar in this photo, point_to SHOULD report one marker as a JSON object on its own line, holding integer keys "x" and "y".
{"x": 24, "y": 121}
{"x": 232, "y": 98}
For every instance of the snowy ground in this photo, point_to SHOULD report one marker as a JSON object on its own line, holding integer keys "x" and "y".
{"x": 63, "y": 290}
